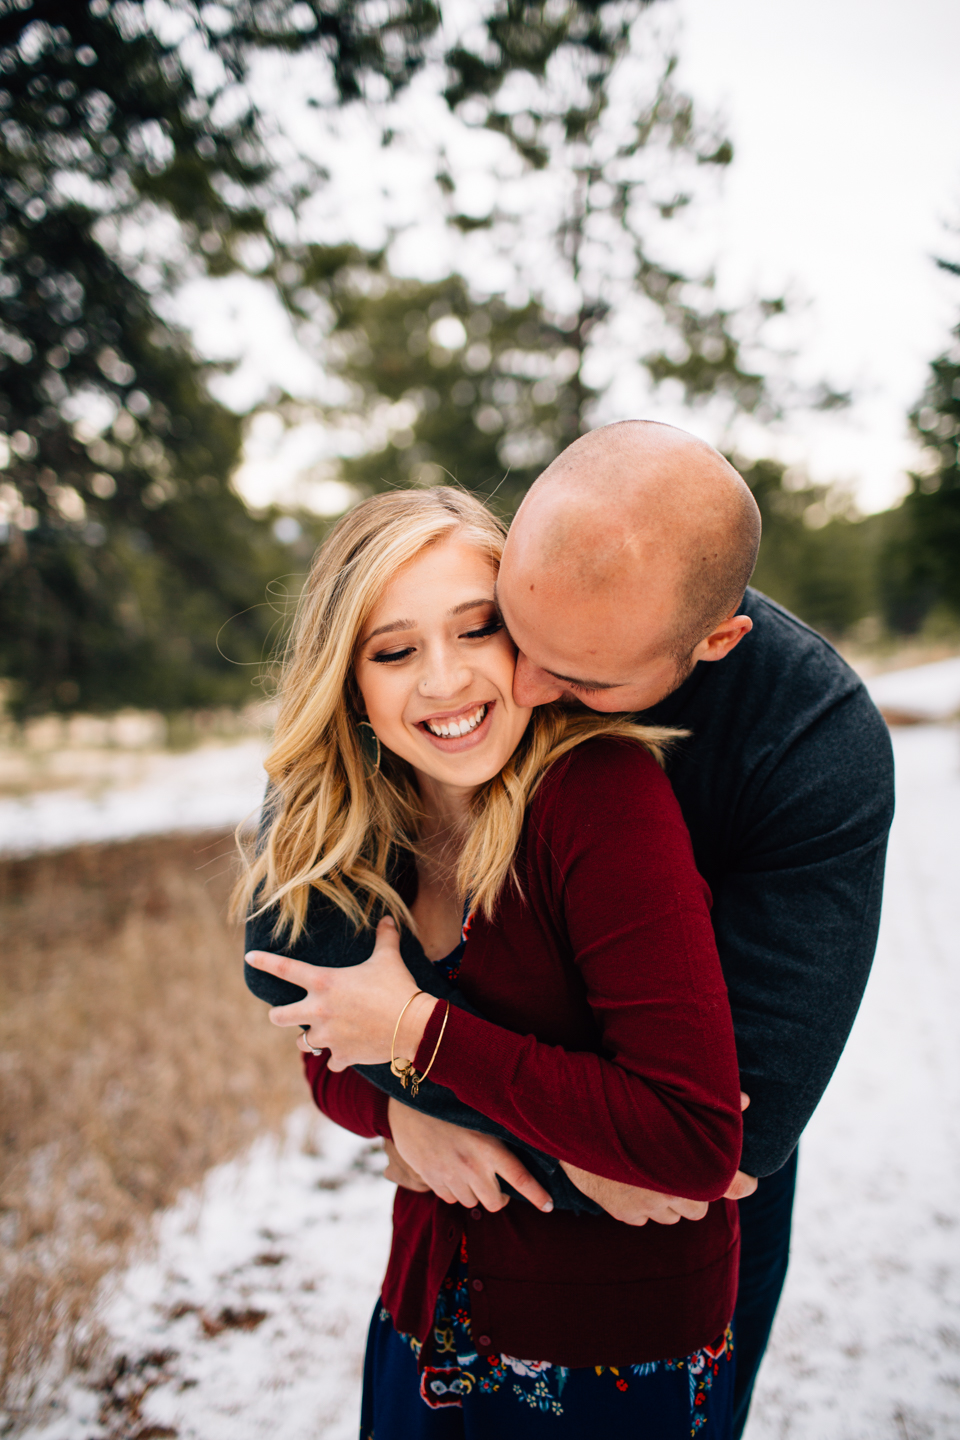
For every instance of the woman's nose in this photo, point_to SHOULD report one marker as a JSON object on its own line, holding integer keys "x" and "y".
{"x": 444, "y": 674}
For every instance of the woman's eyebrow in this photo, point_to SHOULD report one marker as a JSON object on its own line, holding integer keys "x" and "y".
{"x": 394, "y": 625}
{"x": 471, "y": 605}
{"x": 412, "y": 624}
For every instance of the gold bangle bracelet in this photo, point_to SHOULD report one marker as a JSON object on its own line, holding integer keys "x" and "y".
{"x": 402, "y": 1072}
{"x": 420, "y": 1078}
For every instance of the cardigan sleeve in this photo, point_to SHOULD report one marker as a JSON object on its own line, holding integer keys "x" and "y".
{"x": 658, "y": 1103}
{"x": 347, "y": 1099}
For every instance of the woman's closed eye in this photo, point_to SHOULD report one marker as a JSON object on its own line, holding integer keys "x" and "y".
{"x": 483, "y": 632}
{"x": 387, "y": 657}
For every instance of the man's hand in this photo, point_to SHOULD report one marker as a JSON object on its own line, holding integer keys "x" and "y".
{"x": 460, "y": 1166}
{"x": 632, "y": 1205}
{"x": 740, "y": 1186}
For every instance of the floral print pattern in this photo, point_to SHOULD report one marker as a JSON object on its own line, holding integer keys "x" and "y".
{"x": 456, "y": 1369}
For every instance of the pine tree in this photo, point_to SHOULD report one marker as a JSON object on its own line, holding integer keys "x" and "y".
{"x": 921, "y": 564}
{"x": 469, "y": 385}
{"x": 457, "y": 388}
{"x": 126, "y": 550}
{"x": 818, "y": 557}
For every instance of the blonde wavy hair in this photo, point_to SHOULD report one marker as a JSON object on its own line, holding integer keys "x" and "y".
{"x": 331, "y": 825}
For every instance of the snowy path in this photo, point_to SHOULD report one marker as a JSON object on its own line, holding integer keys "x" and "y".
{"x": 263, "y": 1292}
{"x": 867, "y": 1343}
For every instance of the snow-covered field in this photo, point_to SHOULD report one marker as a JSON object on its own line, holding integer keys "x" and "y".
{"x": 249, "y": 1320}
{"x": 205, "y": 789}
{"x": 926, "y": 692}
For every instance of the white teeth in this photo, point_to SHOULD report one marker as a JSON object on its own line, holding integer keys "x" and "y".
{"x": 453, "y": 729}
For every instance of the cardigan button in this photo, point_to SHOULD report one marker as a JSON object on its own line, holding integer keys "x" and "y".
{"x": 475, "y": 1214}
{"x": 483, "y": 1341}
{"x": 477, "y": 1284}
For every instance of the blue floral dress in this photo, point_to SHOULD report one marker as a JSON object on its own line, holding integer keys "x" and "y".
{"x": 463, "y": 1395}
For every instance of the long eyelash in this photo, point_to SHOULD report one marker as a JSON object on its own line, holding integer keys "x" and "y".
{"x": 483, "y": 633}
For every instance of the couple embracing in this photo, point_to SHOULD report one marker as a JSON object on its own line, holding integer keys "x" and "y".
{"x": 613, "y": 827}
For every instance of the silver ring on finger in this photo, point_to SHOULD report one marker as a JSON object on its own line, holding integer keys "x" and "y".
{"x": 314, "y": 1050}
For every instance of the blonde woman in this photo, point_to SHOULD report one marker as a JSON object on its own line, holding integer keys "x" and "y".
{"x": 407, "y": 784}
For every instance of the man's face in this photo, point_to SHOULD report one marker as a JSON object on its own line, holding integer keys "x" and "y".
{"x": 586, "y": 647}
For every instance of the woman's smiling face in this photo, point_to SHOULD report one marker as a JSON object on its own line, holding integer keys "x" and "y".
{"x": 435, "y": 668}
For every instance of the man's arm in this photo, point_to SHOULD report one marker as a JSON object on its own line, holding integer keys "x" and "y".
{"x": 329, "y": 939}
{"x": 796, "y": 918}
{"x": 633, "y": 1205}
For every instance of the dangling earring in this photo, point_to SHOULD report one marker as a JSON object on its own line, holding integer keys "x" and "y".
{"x": 369, "y": 748}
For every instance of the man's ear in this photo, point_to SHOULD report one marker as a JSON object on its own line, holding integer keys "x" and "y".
{"x": 724, "y": 638}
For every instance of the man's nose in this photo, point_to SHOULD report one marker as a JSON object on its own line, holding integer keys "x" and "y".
{"x": 533, "y": 686}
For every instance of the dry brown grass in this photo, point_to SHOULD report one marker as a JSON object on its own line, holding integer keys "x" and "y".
{"x": 133, "y": 1059}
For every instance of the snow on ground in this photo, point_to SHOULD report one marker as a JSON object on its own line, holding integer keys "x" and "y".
{"x": 929, "y": 692}
{"x": 250, "y": 1318}
{"x": 867, "y": 1343}
{"x": 205, "y": 789}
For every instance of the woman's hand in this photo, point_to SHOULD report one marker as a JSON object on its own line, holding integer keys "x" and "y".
{"x": 460, "y": 1166}
{"x": 400, "y": 1173}
{"x": 353, "y": 1012}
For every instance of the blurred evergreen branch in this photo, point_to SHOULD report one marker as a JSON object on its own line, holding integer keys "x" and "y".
{"x": 921, "y": 562}
{"x": 127, "y": 550}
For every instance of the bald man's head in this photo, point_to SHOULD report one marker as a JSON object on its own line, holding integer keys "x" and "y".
{"x": 632, "y": 547}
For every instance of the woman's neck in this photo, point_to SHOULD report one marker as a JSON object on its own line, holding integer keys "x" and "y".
{"x": 446, "y": 808}
{"x": 437, "y": 908}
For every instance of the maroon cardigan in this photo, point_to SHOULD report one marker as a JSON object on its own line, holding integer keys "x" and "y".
{"x": 608, "y": 1044}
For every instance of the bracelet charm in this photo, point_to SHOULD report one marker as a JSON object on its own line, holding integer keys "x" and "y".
{"x": 404, "y": 1070}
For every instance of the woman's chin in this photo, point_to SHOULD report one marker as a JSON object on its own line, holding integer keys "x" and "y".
{"x": 467, "y": 760}
{"x": 469, "y": 768}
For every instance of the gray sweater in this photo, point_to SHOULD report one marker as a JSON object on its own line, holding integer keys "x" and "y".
{"x": 786, "y": 785}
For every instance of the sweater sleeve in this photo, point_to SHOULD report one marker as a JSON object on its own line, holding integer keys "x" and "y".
{"x": 657, "y": 1104}
{"x": 796, "y": 917}
{"x": 347, "y": 1099}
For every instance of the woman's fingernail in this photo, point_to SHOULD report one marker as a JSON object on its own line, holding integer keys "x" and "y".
{"x": 547, "y": 1208}
{"x": 251, "y": 957}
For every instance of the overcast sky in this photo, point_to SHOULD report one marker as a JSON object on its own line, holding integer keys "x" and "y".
{"x": 846, "y": 124}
